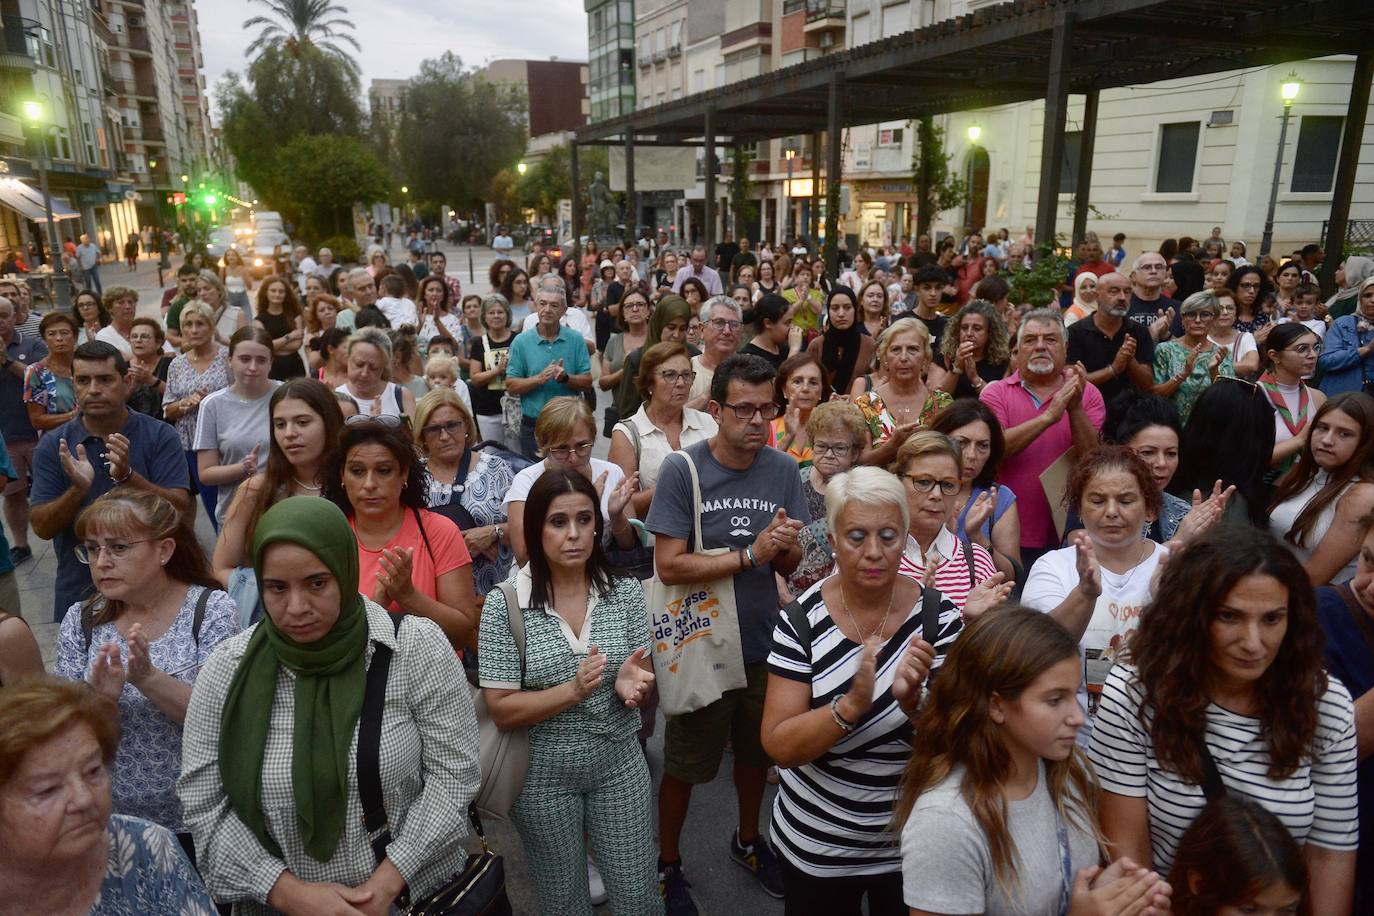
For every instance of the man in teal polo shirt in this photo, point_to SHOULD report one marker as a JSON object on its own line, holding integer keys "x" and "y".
{"x": 547, "y": 361}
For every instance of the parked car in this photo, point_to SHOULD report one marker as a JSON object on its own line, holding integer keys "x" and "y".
{"x": 221, "y": 240}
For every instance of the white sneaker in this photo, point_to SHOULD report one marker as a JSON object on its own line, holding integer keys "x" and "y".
{"x": 595, "y": 884}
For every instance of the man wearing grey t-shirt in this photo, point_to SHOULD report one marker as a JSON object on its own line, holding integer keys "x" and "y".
{"x": 752, "y": 503}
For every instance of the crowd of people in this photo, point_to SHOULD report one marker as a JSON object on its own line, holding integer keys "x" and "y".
{"x": 1024, "y": 607}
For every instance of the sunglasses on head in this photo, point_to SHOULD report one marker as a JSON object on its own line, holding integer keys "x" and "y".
{"x": 387, "y": 421}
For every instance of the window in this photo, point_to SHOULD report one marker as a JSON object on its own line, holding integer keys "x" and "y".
{"x": 646, "y": 47}
{"x": 1177, "y": 157}
{"x": 675, "y": 36}
{"x": 862, "y": 27}
{"x": 890, "y": 136}
{"x": 1068, "y": 169}
{"x": 1314, "y": 162}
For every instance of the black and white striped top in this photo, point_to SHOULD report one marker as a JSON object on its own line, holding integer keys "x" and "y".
{"x": 831, "y": 816}
{"x": 1317, "y": 803}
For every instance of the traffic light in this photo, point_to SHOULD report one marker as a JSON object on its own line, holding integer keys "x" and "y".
{"x": 210, "y": 198}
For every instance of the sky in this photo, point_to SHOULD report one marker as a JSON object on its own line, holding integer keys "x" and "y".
{"x": 396, "y": 35}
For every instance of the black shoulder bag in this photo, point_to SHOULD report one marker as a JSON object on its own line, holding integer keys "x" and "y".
{"x": 479, "y": 889}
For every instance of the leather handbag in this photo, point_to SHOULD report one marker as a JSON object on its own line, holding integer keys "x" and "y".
{"x": 479, "y": 889}
{"x": 505, "y": 754}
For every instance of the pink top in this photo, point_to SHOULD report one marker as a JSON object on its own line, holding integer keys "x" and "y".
{"x": 1013, "y": 405}
{"x": 450, "y": 553}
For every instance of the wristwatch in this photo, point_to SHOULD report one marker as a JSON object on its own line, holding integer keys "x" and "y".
{"x": 563, "y": 377}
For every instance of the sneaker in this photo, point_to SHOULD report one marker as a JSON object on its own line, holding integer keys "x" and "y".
{"x": 672, "y": 884}
{"x": 759, "y": 859}
{"x": 18, "y": 554}
{"x": 595, "y": 884}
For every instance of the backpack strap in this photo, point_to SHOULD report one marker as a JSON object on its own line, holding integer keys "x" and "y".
{"x": 931, "y": 599}
{"x": 400, "y": 402}
{"x": 968, "y": 561}
{"x": 199, "y": 617}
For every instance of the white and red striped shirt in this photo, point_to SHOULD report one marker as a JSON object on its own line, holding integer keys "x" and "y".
{"x": 951, "y": 568}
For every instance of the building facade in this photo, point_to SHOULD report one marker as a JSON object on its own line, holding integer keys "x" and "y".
{"x": 610, "y": 57}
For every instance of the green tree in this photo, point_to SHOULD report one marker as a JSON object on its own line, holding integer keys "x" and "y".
{"x": 320, "y": 176}
{"x": 745, "y": 209}
{"x": 1039, "y": 284}
{"x": 549, "y": 180}
{"x": 935, "y": 186}
{"x": 457, "y": 132}
{"x": 286, "y": 95}
{"x": 298, "y": 25}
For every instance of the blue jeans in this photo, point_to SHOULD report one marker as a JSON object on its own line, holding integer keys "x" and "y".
{"x": 528, "y": 447}
{"x": 91, "y": 279}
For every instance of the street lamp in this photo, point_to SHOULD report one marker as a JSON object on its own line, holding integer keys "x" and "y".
{"x": 522, "y": 168}
{"x": 1288, "y": 91}
{"x": 789, "y": 154}
{"x": 974, "y": 132}
{"x": 35, "y": 114}
{"x": 185, "y": 179}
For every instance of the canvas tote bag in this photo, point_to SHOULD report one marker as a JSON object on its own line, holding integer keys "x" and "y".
{"x": 696, "y": 650}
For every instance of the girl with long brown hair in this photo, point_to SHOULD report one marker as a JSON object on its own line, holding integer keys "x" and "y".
{"x": 997, "y": 810}
{"x": 1226, "y": 665}
{"x": 1239, "y": 858}
{"x": 1317, "y": 505}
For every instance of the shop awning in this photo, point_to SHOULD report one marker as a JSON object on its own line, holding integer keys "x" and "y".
{"x": 28, "y": 202}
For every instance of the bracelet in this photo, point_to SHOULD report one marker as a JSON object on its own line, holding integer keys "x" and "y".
{"x": 753, "y": 561}
{"x": 845, "y": 725}
{"x": 125, "y": 479}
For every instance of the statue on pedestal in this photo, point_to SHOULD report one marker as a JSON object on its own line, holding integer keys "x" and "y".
{"x": 602, "y": 213}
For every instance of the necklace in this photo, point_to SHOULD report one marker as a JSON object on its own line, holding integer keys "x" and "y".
{"x": 1125, "y": 583}
{"x": 864, "y": 637}
{"x": 305, "y": 486}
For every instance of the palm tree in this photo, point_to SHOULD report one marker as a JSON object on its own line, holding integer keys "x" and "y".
{"x": 296, "y": 25}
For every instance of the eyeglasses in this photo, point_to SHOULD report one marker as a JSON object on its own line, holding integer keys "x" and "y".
{"x": 1152, "y": 268}
{"x": 1306, "y": 349}
{"x": 563, "y": 452}
{"x": 387, "y": 420}
{"x": 838, "y": 451}
{"x": 722, "y": 324}
{"x": 450, "y": 428}
{"x": 926, "y": 484}
{"x": 672, "y": 378}
{"x": 635, "y": 305}
{"x": 1250, "y": 286}
{"x": 89, "y": 553}
{"x": 747, "y": 411}
{"x": 1204, "y": 315}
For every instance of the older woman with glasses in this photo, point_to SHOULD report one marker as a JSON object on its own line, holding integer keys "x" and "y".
{"x": 565, "y": 434}
{"x": 838, "y": 435}
{"x": 1240, "y": 345}
{"x": 156, "y": 618}
{"x": 465, "y": 485}
{"x": 632, "y": 321}
{"x": 1184, "y": 368}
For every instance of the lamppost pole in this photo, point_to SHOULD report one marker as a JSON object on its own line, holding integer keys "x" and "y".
{"x": 33, "y": 114}
{"x": 789, "y": 154}
{"x": 1289, "y": 90}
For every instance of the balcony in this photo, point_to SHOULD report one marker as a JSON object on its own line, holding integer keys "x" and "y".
{"x": 136, "y": 89}
{"x": 138, "y": 43}
{"x": 16, "y": 52}
{"x": 824, "y": 16}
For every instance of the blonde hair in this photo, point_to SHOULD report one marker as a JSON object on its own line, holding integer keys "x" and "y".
{"x": 839, "y": 418}
{"x": 904, "y": 326}
{"x": 196, "y": 307}
{"x": 923, "y": 444}
{"x": 377, "y": 338}
{"x": 560, "y": 418}
{"x": 864, "y": 486}
{"x": 432, "y": 401}
{"x": 440, "y": 363}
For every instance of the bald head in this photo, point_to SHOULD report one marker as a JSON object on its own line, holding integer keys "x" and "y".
{"x": 1114, "y": 294}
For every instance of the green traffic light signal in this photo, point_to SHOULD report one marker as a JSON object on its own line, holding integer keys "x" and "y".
{"x": 211, "y": 199}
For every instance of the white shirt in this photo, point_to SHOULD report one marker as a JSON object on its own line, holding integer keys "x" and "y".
{"x": 110, "y": 336}
{"x": 399, "y": 311}
{"x": 1286, "y": 513}
{"x": 520, "y": 486}
{"x": 654, "y": 445}
{"x": 574, "y": 319}
{"x": 502, "y": 243}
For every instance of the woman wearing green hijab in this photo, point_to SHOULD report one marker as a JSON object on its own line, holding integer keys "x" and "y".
{"x": 268, "y": 778}
{"x": 669, "y": 322}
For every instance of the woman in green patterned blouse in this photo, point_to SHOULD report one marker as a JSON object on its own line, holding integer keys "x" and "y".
{"x": 1186, "y": 367}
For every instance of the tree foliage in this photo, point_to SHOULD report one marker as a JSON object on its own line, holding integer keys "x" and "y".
{"x": 744, "y": 208}
{"x": 456, "y": 132}
{"x": 287, "y": 95}
{"x": 1039, "y": 284}
{"x": 937, "y": 188}
{"x": 320, "y": 176}
{"x": 294, "y": 26}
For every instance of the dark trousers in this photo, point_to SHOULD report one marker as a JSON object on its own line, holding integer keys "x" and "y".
{"x": 528, "y": 447}
{"x": 209, "y": 496}
{"x": 91, "y": 279}
{"x": 807, "y": 895}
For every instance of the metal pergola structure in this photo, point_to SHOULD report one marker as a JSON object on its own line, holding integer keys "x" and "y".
{"x": 1011, "y": 52}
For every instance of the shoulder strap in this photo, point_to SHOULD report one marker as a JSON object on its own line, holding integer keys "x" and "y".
{"x": 800, "y": 622}
{"x": 1212, "y": 786}
{"x": 931, "y": 600}
{"x": 199, "y": 617}
{"x": 396, "y": 393}
{"x": 1362, "y": 621}
{"x": 696, "y": 498}
{"x": 370, "y": 747}
{"x": 968, "y": 561}
{"x": 515, "y": 616}
{"x": 633, "y": 432}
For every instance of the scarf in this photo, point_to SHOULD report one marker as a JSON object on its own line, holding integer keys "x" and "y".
{"x": 840, "y": 351}
{"x": 1270, "y": 384}
{"x": 669, "y": 308}
{"x": 330, "y": 679}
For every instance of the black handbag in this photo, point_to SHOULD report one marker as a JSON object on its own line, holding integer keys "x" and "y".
{"x": 479, "y": 889}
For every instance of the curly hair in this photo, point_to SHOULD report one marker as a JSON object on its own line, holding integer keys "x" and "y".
{"x": 1171, "y": 650}
{"x": 1359, "y": 407}
{"x": 1003, "y": 654}
{"x": 998, "y": 350}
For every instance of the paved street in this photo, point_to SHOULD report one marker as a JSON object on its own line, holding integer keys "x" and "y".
{"x": 719, "y": 885}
